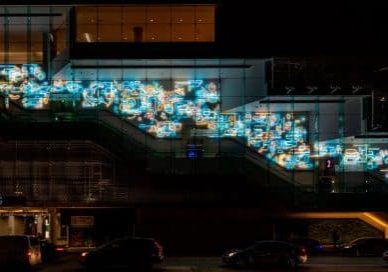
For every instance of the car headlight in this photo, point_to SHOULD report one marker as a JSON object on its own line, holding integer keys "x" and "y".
{"x": 347, "y": 246}
{"x": 84, "y": 254}
{"x": 231, "y": 254}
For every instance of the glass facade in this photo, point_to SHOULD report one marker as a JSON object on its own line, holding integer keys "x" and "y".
{"x": 152, "y": 23}
{"x": 318, "y": 143}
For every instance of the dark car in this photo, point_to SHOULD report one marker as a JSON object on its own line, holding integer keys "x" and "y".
{"x": 312, "y": 246}
{"x": 139, "y": 253}
{"x": 50, "y": 251}
{"x": 19, "y": 252}
{"x": 368, "y": 246}
{"x": 266, "y": 252}
{"x": 385, "y": 256}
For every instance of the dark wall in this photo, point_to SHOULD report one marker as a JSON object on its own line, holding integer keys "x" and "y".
{"x": 203, "y": 230}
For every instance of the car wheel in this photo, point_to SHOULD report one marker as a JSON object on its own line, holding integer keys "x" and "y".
{"x": 250, "y": 260}
{"x": 358, "y": 254}
{"x": 244, "y": 261}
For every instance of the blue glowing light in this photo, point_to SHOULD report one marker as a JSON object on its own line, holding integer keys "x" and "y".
{"x": 164, "y": 108}
{"x": 354, "y": 157}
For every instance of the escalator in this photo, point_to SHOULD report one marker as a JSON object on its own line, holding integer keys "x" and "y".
{"x": 121, "y": 136}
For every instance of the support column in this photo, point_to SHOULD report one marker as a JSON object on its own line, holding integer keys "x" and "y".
{"x": 11, "y": 225}
{"x": 55, "y": 219}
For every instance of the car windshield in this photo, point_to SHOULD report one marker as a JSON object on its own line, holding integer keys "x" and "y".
{"x": 364, "y": 240}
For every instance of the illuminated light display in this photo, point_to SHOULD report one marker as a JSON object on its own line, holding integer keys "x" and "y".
{"x": 355, "y": 157}
{"x": 164, "y": 112}
{"x": 158, "y": 110}
{"x": 166, "y": 109}
{"x": 279, "y": 136}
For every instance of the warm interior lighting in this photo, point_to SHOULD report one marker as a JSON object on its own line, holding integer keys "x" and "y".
{"x": 168, "y": 21}
{"x": 87, "y": 37}
{"x": 372, "y": 219}
{"x": 375, "y": 219}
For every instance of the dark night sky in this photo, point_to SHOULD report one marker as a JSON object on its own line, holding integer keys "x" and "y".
{"x": 309, "y": 27}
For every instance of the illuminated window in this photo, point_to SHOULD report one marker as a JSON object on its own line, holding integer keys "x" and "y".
{"x": 59, "y": 37}
{"x": 156, "y": 23}
{"x": 21, "y": 47}
{"x": 158, "y": 33}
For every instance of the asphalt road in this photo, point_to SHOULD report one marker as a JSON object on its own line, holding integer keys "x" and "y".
{"x": 213, "y": 264}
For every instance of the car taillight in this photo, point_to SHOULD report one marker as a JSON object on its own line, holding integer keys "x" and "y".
{"x": 59, "y": 249}
{"x": 302, "y": 251}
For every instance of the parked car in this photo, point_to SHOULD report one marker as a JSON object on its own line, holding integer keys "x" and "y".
{"x": 385, "y": 256}
{"x": 139, "y": 253}
{"x": 20, "y": 252}
{"x": 50, "y": 252}
{"x": 367, "y": 246}
{"x": 267, "y": 252}
{"x": 312, "y": 246}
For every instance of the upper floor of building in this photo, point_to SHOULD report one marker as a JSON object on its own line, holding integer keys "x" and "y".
{"x": 40, "y": 33}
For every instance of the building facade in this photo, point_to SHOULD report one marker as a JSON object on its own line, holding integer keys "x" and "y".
{"x": 110, "y": 114}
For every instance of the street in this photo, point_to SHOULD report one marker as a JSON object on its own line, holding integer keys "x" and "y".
{"x": 213, "y": 264}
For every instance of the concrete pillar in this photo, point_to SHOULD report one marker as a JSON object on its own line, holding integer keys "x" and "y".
{"x": 39, "y": 221}
{"x": 55, "y": 224}
{"x": 11, "y": 225}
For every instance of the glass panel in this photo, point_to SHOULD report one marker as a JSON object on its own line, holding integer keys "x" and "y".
{"x": 156, "y": 15}
{"x": 183, "y": 15}
{"x": 86, "y": 15}
{"x": 182, "y": 32}
{"x": 60, "y": 36}
{"x": 204, "y": 33}
{"x": 87, "y": 33}
{"x": 134, "y": 15}
{"x": 109, "y": 15}
{"x": 158, "y": 32}
{"x": 205, "y": 14}
{"x": 109, "y": 33}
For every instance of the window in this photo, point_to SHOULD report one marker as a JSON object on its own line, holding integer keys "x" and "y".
{"x": 153, "y": 23}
